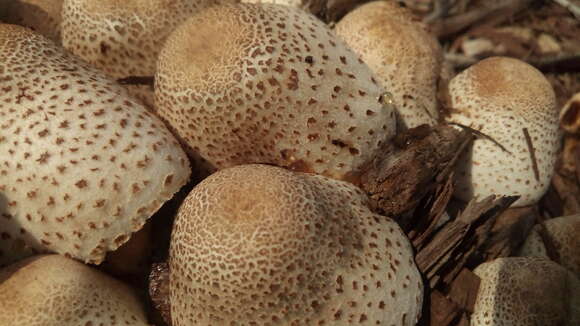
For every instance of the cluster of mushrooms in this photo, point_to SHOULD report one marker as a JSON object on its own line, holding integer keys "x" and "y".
{"x": 277, "y": 113}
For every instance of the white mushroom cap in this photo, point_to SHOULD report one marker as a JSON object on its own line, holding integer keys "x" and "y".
{"x": 570, "y": 115}
{"x": 526, "y": 291}
{"x": 260, "y": 245}
{"x": 56, "y": 291}
{"x": 563, "y": 233}
{"x": 43, "y": 16}
{"x": 405, "y": 58}
{"x": 270, "y": 84}
{"x": 123, "y": 38}
{"x": 500, "y": 97}
{"x": 82, "y": 165}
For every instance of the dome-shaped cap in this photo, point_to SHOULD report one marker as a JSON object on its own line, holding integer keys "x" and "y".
{"x": 405, "y": 58}
{"x": 514, "y": 104}
{"x": 56, "y": 291}
{"x": 82, "y": 165}
{"x": 260, "y": 245}
{"x": 270, "y": 84}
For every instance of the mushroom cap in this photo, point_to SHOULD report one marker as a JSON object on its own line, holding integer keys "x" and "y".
{"x": 123, "y": 38}
{"x": 52, "y": 290}
{"x": 500, "y": 97}
{"x": 563, "y": 233}
{"x": 405, "y": 58}
{"x": 43, "y": 16}
{"x": 526, "y": 291}
{"x": 270, "y": 84}
{"x": 260, "y": 245}
{"x": 82, "y": 165}
{"x": 570, "y": 115}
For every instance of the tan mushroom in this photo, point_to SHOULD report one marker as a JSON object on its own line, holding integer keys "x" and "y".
{"x": 512, "y": 105}
{"x": 270, "y": 84}
{"x": 557, "y": 239}
{"x": 405, "y": 58}
{"x": 123, "y": 38}
{"x": 82, "y": 165}
{"x": 56, "y": 291}
{"x": 43, "y": 16}
{"x": 327, "y": 10}
{"x": 526, "y": 291}
{"x": 260, "y": 245}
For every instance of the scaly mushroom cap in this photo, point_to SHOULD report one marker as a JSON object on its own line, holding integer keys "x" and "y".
{"x": 405, "y": 58}
{"x": 563, "y": 237}
{"x": 500, "y": 97}
{"x": 43, "y": 16}
{"x": 82, "y": 165}
{"x": 270, "y": 84}
{"x": 260, "y": 245}
{"x": 526, "y": 291}
{"x": 123, "y": 38}
{"x": 56, "y": 291}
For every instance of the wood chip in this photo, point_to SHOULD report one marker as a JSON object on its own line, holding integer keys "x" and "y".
{"x": 463, "y": 290}
{"x": 409, "y": 169}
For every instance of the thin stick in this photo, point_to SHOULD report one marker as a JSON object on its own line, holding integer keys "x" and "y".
{"x": 481, "y": 134}
{"x": 532, "y": 151}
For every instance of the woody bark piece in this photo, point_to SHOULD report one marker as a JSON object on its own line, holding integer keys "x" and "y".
{"x": 510, "y": 231}
{"x": 443, "y": 311}
{"x": 159, "y": 290}
{"x": 463, "y": 290}
{"x": 411, "y": 166}
{"x": 436, "y": 257}
{"x": 426, "y": 227}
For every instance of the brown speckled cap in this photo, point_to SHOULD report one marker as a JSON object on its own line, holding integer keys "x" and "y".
{"x": 270, "y": 84}
{"x": 56, "y": 291}
{"x": 123, "y": 38}
{"x": 43, "y": 16}
{"x": 82, "y": 165}
{"x": 526, "y": 291}
{"x": 405, "y": 58}
{"x": 500, "y": 97}
{"x": 260, "y": 245}
{"x": 563, "y": 235}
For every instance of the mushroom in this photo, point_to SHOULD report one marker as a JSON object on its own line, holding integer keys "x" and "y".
{"x": 82, "y": 165}
{"x": 526, "y": 291}
{"x": 43, "y": 16}
{"x": 261, "y": 245}
{"x": 270, "y": 84}
{"x": 327, "y": 10}
{"x": 511, "y": 105}
{"x": 54, "y": 290}
{"x": 403, "y": 55}
{"x": 557, "y": 239}
{"x": 123, "y": 38}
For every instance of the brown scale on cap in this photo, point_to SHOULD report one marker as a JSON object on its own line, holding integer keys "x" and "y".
{"x": 526, "y": 291}
{"x": 270, "y": 84}
{"x": 260, "y": 245}
{"x": 558, "y": 239}
{"x": 54, "y": 290}
{"x": 500, "y": 97}
{"x": 82, "y": 165}
{"x": 123, "y": 38}
{"x": 43, "y": 16}
{"x": 405, "y": 58}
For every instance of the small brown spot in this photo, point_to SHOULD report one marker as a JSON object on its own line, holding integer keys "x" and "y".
{"x": 168, "y": 180}
{"x": 81, "y": 184}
